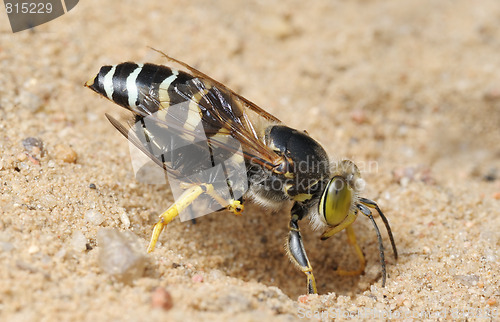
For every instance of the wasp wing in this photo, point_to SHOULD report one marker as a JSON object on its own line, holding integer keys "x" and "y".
{"x": 249, "y": 104}
{"x": 190, "y": 125}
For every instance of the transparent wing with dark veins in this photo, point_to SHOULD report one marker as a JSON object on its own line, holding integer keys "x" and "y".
{"x": 221, "y": 111}
{"x": 190, "y": 125}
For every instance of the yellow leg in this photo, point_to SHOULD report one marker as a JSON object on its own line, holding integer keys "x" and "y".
{"x": 235, "y": 206}
{"x": 173, "y": 211}
{"x": 351, "y": 238}
{"x": 311, "y": 282}
{"x": 343, "y": 225}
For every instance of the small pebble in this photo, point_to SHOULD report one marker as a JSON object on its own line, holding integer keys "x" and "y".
{"x": 496, "y": 195}
{"x": 358, "y": 116}
{"x": 197, "y": 278}
{"x": 33, "y": 146}
{"x": 33, "y": 249}
{"x": 125, "y": 220}
{"x": 65, "y": 153}
{"x": 92, "y": 186}
{"x": 303, "y": 298}
{"x": 78, "y": 241}
{"x": 404, "y": 181}
{"x": 120, "y": 254}
{"x": 491, "y": 301}
{"x": 93, "y": 217}
{"x": 161, "y": 299}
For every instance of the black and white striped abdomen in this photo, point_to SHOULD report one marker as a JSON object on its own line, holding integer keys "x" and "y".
{"x": 148, "y": 89}
{"x": 131, "y": 85}
{"x": 172, "y": 109}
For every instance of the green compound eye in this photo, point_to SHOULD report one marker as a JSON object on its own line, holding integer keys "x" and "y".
{"x": 336, "y": 201}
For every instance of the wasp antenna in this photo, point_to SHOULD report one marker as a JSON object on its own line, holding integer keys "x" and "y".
{"x": 158, "y": 51}
{"x": 373, "y": 204}
{"x": 381, "y": 249}
{"x": 389, "y": 231}
{"x": 172, "y": 59}
{"x": 183, "y": 64}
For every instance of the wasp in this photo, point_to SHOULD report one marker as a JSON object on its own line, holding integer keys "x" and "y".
{"x": 219, "y": 149}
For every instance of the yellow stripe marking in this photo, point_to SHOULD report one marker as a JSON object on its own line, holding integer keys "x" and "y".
{"x": 163, "y": 89}
{"x": 194, "y": 112}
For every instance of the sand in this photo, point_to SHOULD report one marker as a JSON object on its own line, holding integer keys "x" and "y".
{"x": 410, "y": 90}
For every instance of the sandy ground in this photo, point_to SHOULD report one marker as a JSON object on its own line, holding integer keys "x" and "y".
{"x": 411, "y": 86}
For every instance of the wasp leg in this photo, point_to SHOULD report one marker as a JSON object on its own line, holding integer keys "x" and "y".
{"x": 351, "y": 217}
{"x": 297, "y": 253}
{"x": 351, "y": 238}
{"x": 235, "y": 206}
{"x": 173, "y": 211}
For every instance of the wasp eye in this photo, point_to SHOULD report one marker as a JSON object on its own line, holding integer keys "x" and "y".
{"x": 336, "y": 201}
